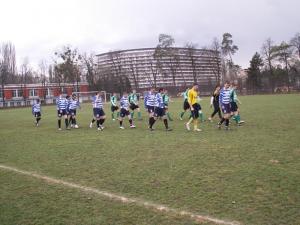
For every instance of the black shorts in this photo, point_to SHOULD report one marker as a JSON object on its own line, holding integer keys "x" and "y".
{"x": 195, "y": 112}
{"x": 226, "y": 109}
{"x": 61, "y": 112}
{"x": 37, "y": 114}
{"x": 72, "y": 112}
{"x": 114, "y": 108}
{"x": 133, "y": 106}
{"x": 124, "y": 112}
{"x": 150, "y": 109}
{"x": 159, "y": 112}
{"x": 98, "y": 112}
{"x": 234, "y": 107}
{"x": 186, "y": 105}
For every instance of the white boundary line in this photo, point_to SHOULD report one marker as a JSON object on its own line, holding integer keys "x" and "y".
{"x": 153, "y": 206}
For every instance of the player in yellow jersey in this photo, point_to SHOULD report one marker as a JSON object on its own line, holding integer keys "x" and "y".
{"x": 194, "y": 106}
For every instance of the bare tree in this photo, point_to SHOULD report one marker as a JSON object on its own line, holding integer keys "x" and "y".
{"x": 295, "y": 42}
{"x": 89, "y": 64}
{"x": 43, "y": 67}
{"x": 214, "y": 51}
{"x": 191, "y": 52}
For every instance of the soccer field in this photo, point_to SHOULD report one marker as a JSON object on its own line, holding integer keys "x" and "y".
{"x": 248, "y": 175}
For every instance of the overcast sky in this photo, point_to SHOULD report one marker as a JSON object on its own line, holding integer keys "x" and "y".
{"x": 38, "y": 28}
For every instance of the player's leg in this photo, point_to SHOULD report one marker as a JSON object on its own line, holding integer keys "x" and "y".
{"x": 102, "y": 119}
{"x": 151, "y": 118}
{"x": 66, "y": 121}
{"x": 59, "y": 115}
{"x": 130, "y": 120}
{"x": 112, "y": 108}
{"x": 165, "y": 119}
{"x": 139, "y": 113}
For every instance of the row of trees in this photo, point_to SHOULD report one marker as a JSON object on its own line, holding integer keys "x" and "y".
{"x": 276, "y": 67}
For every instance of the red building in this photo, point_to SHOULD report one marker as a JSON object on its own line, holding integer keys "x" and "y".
{"x": 21, "y": 95}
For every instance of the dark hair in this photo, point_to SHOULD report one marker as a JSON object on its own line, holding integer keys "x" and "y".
{"x": 227, "y": 82}
{"x": 161, "y": 89}
{"x": 68, "y": 96}
{"x": 195, "y": 84}
{"x": 38, "y": 100}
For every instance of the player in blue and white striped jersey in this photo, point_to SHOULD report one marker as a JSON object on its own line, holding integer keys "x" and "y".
{"x": 224, "y": 102}
{"x": 150, "y": 103}
{"x": 62, "y": 105}
{"x": 73, "y": 105}
{"x": 124, "y": 105}
{"x": 160, "y": 111}
{"x": 36, "y": 111}
{"x": 98, "y": 111}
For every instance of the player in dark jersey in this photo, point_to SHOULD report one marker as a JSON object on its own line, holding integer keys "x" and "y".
{"x": 214, "y": 102}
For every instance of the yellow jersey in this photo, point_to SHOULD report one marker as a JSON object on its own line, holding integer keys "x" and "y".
{"x": 192, "y": 96}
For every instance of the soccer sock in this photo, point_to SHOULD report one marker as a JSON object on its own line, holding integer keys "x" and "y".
{"x": 190, "y": 120}
{"x": 59, "y": 123}
{"x": 112, "y": 115}
{"x": 130, "y": 121}
{"x": 195, "y": 124}
{"x": 222, "y": 120}
{"x": 132, "y": 114}
{"x": 101, "y": 121}
{"x": 201, "y": 116}
{"x": 166, "y": 123}
{"x": 74, "y": 121}
{"x": 152, "y": 121}
{"x": 227, "y": 122}
{"x": 169, "y": 116}
{"x": 98, "y": 123}
{"x": 139, "y": 115}
{"x": 181, "y": 114}
{"x": 66, "y": 123}
{"x": 93, "y": 120}
{"x": 70, "y": 120}
{"x": 234, "y": 117}
{"x": 238, "y": 118}
{"x": 37, "y": 120}
{"x": 191, "y": 116}
{"x": 121, "y": 123}
{"x": 118, "y": 114}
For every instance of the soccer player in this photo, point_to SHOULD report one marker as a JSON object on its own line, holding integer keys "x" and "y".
{"x": 134, "y": 104}
{"x": 186, "y": 105}
{"x": 160, "y": 110}
{"x": 124, "y": 105}
{"x": 224, "y": 102}
{"x": 234, "y": 101}
{"x": 214, "y": 101}
{"x": 73, "y": 105}
{"x": 114, "y": 107}
{"x": 166, "y": 101}
{"x": 150, "y": 103}
{"x": 98, "y": 111}
{"x": 194, "y": 106}
{"x": 36, "y": 111}
{"x": 61, "y": 105}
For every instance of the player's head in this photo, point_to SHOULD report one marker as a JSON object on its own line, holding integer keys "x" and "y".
{"x": 218, "y": 87}
{"x": 152, "y": 89}
{"x": 195, "y": 86}
{"x": 38, "y": 101}
{"x": 98, "y": 93}
{"x": 125, "y": 94}
{"x": 114, "y": 94}
{"x": 226, "y": 84}
{"x": 133, "y": 91}
{"x": 68, "y": 97}
{"x": 161, "y": 90}
{"x": 233, "y": 85}
{"x": 165, "y": 91}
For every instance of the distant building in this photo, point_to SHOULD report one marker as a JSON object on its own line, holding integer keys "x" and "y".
{"x": 180, "y": 69}
{"x": 21, "y": 95}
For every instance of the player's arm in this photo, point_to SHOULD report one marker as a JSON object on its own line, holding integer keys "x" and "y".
{"x": 32, "y": 109}
{"x": 211, "y": 101}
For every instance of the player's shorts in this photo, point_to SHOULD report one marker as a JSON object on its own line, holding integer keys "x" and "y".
{"x": 150, "y": 109}
{"x": 186, "y": 105}
{"x": 98, "y": 112}
{"x": 195, "y": 112}
{"x": 72, "y": 112}
{"x": 234, "y": 107}
{"x": 61, "y": 112}
{"x": 124, "y": 112}
{"x": 114, "y": 108}
{"x": 37, "y": 114}
{"x": 133, "y": 106}
{"x": 159, "y": 112}
{"x": 226, "y": 109}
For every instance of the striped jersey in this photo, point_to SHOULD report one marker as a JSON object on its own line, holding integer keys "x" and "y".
{"x": 224, "y": 97}
{"x": 73, "y": 104}
{"x": 124, "y": 102}
{"x": 61, "y": 103}
{"x": 113, "y": 100}
{"x": 159, "y": 101}
{"x": 133, "y": 99}
{"x": 150, "y": 99}
{"x": 166, "y": 99}
{"x": 36, "y": 108}
{"x": 97, "y": 102}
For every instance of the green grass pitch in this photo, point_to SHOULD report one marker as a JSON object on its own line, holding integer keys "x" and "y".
{"x": 250, "y": 174}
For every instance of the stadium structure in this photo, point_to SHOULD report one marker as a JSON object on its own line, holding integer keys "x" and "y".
{"x": 171, "y": 67}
